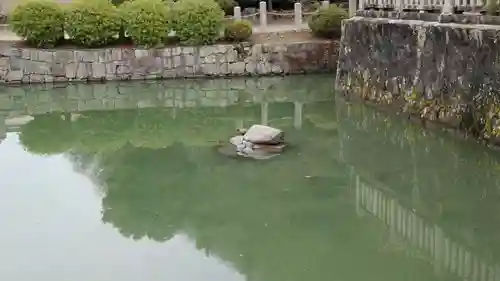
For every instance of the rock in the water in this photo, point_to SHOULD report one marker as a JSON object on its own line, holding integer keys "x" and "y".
{"x": 236, "y": 140}
{"x": 255, "y": 151}
{"x": 260, "y": 134}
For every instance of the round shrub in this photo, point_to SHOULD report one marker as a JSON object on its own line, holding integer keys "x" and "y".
{"x": 197, "y": 22}
{"x": 118, "y": 2}
{"x": 238, "y": 31}
{"x": 39, "y": 22}
{"x": 147, "y": 22}
{"x": 92, "y": 23}
{"x": 328, "y": 21}
{"x": 227, "y": 6}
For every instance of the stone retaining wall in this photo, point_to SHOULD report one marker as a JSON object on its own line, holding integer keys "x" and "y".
{"x": 25, "y": 65}
{"x": 446, "y": 73}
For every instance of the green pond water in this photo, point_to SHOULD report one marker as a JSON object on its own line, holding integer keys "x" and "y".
{"x": 122, "y": 182}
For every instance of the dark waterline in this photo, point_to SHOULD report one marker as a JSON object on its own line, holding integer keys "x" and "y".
{"x": 123, "y": 182}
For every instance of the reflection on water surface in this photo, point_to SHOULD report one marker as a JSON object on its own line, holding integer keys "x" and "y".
{"x": 123, "y": 182}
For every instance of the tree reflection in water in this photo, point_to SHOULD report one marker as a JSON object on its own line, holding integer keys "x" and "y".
{"x": 289, "y": 218}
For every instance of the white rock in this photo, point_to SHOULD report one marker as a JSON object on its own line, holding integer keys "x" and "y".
{"x": 260, "y": 134}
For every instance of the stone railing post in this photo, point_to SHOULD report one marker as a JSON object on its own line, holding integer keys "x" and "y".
{"x": 352, "y": 7}
{"x": 237, "y": 13}
{"x": 421, "y": 6}
{"x": 488, "y": 3}
{"x": 325, "y": 4}
{"x": 361, "y": 5}
{"x": 447, "y": 8}
{"x": 263, "y": 14}
{"x": 399, "y": 5}
{"x": 297, "y": 13}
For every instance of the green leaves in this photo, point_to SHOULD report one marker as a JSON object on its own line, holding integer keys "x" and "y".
{"x": 96, "y": 23}
{"x": 198, "y": 22}
{"x": 92, "y": 23}
{"x": 238, "y": 31}
{"x": 327, "y": 22}
{"x": 147, "y": 22}
{"x": 40, "y": 22}
{"x": 227, "y": 6}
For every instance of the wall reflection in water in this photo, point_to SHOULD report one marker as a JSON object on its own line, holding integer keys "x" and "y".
{"x": 437, "y": 194}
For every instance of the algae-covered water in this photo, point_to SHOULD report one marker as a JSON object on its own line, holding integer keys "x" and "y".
{"x": 122, "y": 182}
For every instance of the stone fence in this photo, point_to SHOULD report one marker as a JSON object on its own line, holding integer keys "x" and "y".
{"x": 264, "y": 15}
{"x": 443, "y": 6}
{"x": 26, "y": 66}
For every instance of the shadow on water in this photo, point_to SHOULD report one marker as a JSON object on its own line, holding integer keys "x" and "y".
{"x": 358, "y": 195}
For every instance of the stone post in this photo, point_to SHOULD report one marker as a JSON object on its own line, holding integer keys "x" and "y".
{"x": 325, "y": 4}
{"x": 421, "y": 6}
{"x": 447, "y": 8}
{"x": 399, "y": 5}
{"x": 353, "y": 7}
{"x": 263, "y": 14}
{"x": 297, "y": 114}
{"x": 380, "y": 3}
{"x": 237, "y": 13}
{"x": 297, "y": 13}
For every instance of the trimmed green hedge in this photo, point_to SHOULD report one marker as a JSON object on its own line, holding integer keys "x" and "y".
{"x": 147, "y": 22}
{"x": 198, "y": 22}
{"x": 40, "y": 22}
{"x": 97, "y": 23}
{"x": 238, "y": 31}
{"x": 327, "y": 22}
{"x": 92, "y": 23}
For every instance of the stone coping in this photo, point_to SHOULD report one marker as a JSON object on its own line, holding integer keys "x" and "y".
{"x": 426, "y": 24}
{"x": 433, "y": 17}
{"x": 28, "y": 65}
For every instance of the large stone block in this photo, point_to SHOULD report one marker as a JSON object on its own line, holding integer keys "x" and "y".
{"x": 413, "y": 65}
{"x": 45, "y": 56}
{"x": 98, "y": 71}
{"x": 14, "y": 75}
{"x": 36, "y": 67}
{"x": 64, "y": 56}
{"x": 83, "y": 71}
{"x": 86, "y": 56}
{"x": 57, "y": 69}
{"x": 70, "y": 70}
